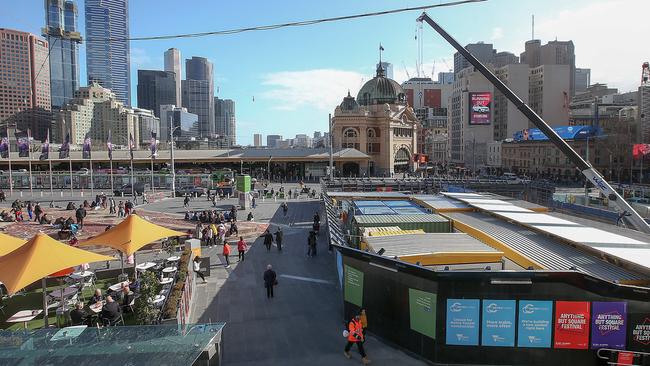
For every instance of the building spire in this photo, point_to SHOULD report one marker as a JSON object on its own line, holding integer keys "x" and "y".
{"x": 380, "y": 67}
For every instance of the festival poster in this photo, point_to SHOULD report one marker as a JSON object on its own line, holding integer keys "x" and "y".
{"x": 462, "y": 322}
{"x": 498, "y": 324}
{"x": 422, "y": 312}
{"x": 571, "y": 324}
{"x": 639, "y": 332}
{"x": 535, "y": 324}
{"x": 608, "y": 324}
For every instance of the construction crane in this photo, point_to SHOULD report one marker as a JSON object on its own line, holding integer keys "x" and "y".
{"x": 627, "y": 212}
{"x": 406, "y": 71}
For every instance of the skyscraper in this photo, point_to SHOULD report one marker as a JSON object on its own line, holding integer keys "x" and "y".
{"x": 224, "y": 112}
{"x": 582, "y": 80}
{"x": 484, "y": 52}
{"x": 63, "y": 39}
{"x": 198, "y": 93}
{"x": 257, "y": 139}
{"x": 552, "y": 53}
{"x": 272, "y": 141}
{"x": 173, "y": 64}
{"x": 156, "y": 88}
{"x": 108, "y": 63}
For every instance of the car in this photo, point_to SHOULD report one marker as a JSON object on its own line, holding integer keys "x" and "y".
{"x": 125, "y": 190}
{"x": 190, "y": 190}
{"x": 481, "y": 108}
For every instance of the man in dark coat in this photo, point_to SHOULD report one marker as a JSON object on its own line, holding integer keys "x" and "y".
{"x": 269, "y": 280}
{"x": 268, "y": 239}
{"x": 278, "y": 238}
{"x": 80, "y": 214}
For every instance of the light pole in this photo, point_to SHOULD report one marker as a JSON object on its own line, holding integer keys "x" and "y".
{"x": 268, "y": 168}
{"x": 171, "y": 145}
{"x": 331, "y": 175}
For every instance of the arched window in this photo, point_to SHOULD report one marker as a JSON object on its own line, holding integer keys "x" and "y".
{"x": 350, "y": 132}
{"x": 372, "y": 132}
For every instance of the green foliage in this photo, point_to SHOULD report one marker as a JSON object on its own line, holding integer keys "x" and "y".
{"x": 145, "y": 311}
{"x": 171, "y": 307}
{"x": 169, "y": 245}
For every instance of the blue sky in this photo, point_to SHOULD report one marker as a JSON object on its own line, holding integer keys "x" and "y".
{"x": 287, "y": 81}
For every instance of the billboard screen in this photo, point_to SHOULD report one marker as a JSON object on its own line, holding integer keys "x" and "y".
{"x": 462, "y": 322}
{"x": 572, "y": 324}
{"x": 608, "y": 325}
{"x": 498, "y": 327}
{"x": 535, "y": 322}
{"x": 480, "y": 108}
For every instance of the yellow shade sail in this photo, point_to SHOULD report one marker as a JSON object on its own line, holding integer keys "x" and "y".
{"x": 38, "y": 258}
{"x": 131, "y": 234}
{"x": 9, "y": 243}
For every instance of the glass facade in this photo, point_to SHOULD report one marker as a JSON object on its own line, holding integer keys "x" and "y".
{"x": 225, "y": 122}
{"x": 156, "y": 88}
{"x": 198, "y": 93}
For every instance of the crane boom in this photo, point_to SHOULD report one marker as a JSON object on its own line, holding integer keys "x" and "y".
{"x": 587, "y": 170}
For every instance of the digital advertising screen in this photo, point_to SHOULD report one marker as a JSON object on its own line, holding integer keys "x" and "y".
{"x": 498, "y": 324}
{"x": 535, "y": 324}
{"x": 608, "y": 324}
{"x": 480, "y": 108}
{"x": 572, "y": 324}
{"x": 353, "y": 288}
{"x": 462, "y": 324}
{"x": 422, "y": 312}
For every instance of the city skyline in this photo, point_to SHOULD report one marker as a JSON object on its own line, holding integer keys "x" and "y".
{"x": 278, "y": 91}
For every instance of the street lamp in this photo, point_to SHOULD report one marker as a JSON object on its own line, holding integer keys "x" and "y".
{"x": 268, "y": 167}
{"x": 171, "y": 144}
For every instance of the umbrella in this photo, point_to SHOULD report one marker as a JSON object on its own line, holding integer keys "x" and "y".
{"x": 38, "y": 258}
{"x": 130, "y": 235}
{"x": 9, "y": 243}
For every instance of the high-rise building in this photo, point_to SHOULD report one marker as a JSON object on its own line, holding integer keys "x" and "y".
{"x": 63, "y": 39}
{"x": 504, "y": 58}
{"x": 507, "y": 118}
{"x": 273, "y": 141}
{"x": 224, "y": 115}
{"x": 147, "y": 123}
{"x": 173, "y": 64}
{"x": 388, "y": 68}
{"x": 446, "y": 77}
{"x": 156, "y": 88}
{"x": 24, "y": 78}
{"x": 548, "y": 93}
{"x": 424, "y": 93}
{"x": 582, "y": 80}
{"x": 484, "y": 52}
{"x": 186, "y": 124}
{"x": 552, "y": 53}
{"x": 198, "y": 93}
{"x": 108, "y": 63}
{"x": 257, "y": 139}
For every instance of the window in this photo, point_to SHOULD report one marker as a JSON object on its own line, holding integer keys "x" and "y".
{"x": 350, "y": 132}
{"x": 372, "y": 132}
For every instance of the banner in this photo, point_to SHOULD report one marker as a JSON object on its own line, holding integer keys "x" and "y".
{"x": 462, "y": 322}
{"x": 640, "y": 150}
{"x": 639, "y": 332}
{"x": 422, "y": 312}
{"x": 535, "y": 321}
{"x": 608, "y": 324}
{"x": 154, "y": 145}
{"x": 353, "y": 287}
{"x": 22, "y": 140}
{"x": 109, "y": 145}
{"x": 571, "y": 324}
{"x": 64, "y": 150}
{"x": 480, "y": 108}
{"x": 87, "y": 147}
{"x": 498, "y": 324}
{"x": 45, "y": 148}
{"x": 4, "y": 147}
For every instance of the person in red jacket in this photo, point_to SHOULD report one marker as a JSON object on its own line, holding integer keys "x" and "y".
{"x": 226, "y": 253}
{"x": 355, "y": 335}
{"x": 241, "y": 248}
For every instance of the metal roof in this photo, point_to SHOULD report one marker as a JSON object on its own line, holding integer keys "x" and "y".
{"x": 439, "y": 202}
{"x": 383, "y": 219}
{"x": 397, "y": 207}
{"x": 361, "y": 195}
{"x": 549, "y": 252}
{"x": 412, "y": 244}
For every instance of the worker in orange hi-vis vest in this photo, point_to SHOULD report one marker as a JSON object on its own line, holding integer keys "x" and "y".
{"x": 354, "y": 334}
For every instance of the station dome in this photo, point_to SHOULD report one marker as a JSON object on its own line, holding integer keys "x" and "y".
{"x": 381, "y": 90}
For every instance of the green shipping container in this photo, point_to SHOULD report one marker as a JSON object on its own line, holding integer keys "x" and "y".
{"x": 430, "y": 223}
{"x": 243, "y": 183}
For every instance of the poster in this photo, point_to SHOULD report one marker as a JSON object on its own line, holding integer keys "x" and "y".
{"x": 639, "y": 332}
{"x": 535, "y": 321}
{"x": 498, "y": 324}
{"x": 422, "y": 312}
{"x": 480, "y": 108}
{"x": 353, "y": 289}
{"x": 462, "y": 322}
{"x": 571, "y": 324}
{"x": 608, "y": 324}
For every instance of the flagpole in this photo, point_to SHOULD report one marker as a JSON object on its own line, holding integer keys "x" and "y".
{"x": 70, "y": 161}
{"x": 49, "y": 159}
{"x": 132, "y": 180}
{"x": 92, "y": 184}
{"x": 29, "y": 157}
{"x": 111, "y": 162}
{"x": 152, "y": 187}
{"x": 11, "y": 180}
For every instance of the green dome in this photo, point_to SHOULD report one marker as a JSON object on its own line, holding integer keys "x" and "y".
{"x": 380, "y": 90}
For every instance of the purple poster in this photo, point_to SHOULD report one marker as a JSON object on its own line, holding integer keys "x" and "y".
{"x": 608, "y": 324}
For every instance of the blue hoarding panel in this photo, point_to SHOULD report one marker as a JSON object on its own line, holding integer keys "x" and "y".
{"x": 498, "y": 324}
{"x": 535, "y": 324}
{"x": 462, "y": 323}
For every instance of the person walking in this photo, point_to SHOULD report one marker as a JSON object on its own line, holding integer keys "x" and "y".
{"x": 270, "y": 280}
{"x": 226, "y": 253}
{"x": 111, "y": 206}
{"x": 311, "y": 243}
{"x": 268, "y": 240}
{"x": 144, "y": 198}
{"x": 253, "y": 203}
{"x": 197, "y": 268}
{"x": 128, "y": 207}
{"x": 355, "y": 336}
{"x": 38, "y": 211}
{"x": 241, "y": 248}
{"x": 30, "y": 210}
{"x": 186, "y": 201}
{"x": 278, "y": 238}
{"x": 285, "y": 208}
{"x": 363, "y": 318}
{"x": 80, "y": 214}
{"x": 120, "y": 209}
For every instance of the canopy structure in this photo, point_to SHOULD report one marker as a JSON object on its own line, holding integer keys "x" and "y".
{"x": 131, "y": 234}
{"x": 40, "y": 257}
{"x": 9, "y": 243}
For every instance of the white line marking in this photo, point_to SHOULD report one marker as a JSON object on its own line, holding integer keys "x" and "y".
{"x": 308, "y": 279}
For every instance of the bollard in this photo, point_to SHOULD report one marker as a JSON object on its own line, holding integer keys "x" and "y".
{"x": 61, "y": 193}
{"x": 41, "y": 193}
{"x": 275, "y": 198}
{"x": 21, "y": 193}
{"x": 82, "y": 193}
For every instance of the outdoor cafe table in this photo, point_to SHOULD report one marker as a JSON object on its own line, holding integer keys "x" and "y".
{"x": 166, "y": 281}
{"x": 145, "y": 266}
{"x": 96, "y": 307}
{"x": 169, "y": 269}
{"x": 65, "y": 292}
{"x": 158, "y": 300}
{"x": 24, "y": 316}
{"x": 80, "y": 275}
{"x": 174, "y": 258}
{"x": 118, "y": 286}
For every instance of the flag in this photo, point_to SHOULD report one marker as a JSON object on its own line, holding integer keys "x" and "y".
{"x": 64, "y": 150}
{"x": 131, "y": 145}
{"x": 154, "y": 145}
{"x": 640, "y": 150}
{"x": 109, "y": 145}
{"x": 4, "y": 147}
{"x": 45, "y": 148}
{"x": 87, "y": 146}
{"x": 381, "y": 48}
{"x": 22, "y": 139}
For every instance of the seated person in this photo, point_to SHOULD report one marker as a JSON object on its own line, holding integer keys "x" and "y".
{"x": 187, "y": 215}
{"x": 195, "y": 217}
{"x": 45, "y": 220}
{"x": 127, "y": 296}
{"x": 234, "y": 230}
{"x": 97, "y": 297}
{"x": 111, "y": 312}
{"x": 51, "y": 204}
{"x": 250, "y": 216}
{"x": 4, "y": 216}
{"x": 78, "y": 314}
{"x": 70, "y": 206}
